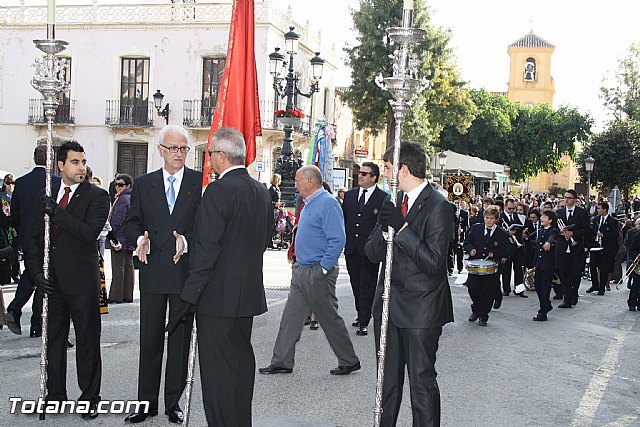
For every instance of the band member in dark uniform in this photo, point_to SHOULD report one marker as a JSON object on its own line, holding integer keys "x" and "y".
{"x": 570, "y": 250}
{"x": 486, "y": 241}
{"x": 545, "y": 262}
{"x": 530, "y": 236}
{"x": 634, "y": 290}
{"x": 517, "y": 252}
{"x": 461, "y": 224}
{"x": 605, "y": 231}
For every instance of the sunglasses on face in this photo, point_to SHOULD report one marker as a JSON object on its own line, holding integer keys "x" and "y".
{"x": 363, "y": 173}
{"x": 120, "y": 184}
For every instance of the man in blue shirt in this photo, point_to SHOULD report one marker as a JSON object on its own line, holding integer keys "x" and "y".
{"x": 319, "y": 242}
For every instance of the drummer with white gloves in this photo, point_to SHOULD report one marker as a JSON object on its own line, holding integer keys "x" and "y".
{"x": 486, "y": 244}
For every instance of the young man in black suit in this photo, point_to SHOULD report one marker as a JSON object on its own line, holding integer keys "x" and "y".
{"x": 420, "y": 301}
{"x": 570, "y": 248}
{"x": 160, "y": 219}
{"x": 225, "y": 285}
{"x": 545, "y": 262}
{"x": 485, "y": 241}
{"x": 78, "y": 211}
{"x": 517, "y": 253}
{"x": 23, "y": 203}
{"x": 605, "y": 230}
{"x": 460, "y": 226}
{"x": 360, "y": 209}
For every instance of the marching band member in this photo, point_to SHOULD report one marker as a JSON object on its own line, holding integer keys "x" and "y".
{"x": 634, "y": 249}
{"x": 517, "y": 252}
{"x": 485, "y": 241}
{"x": 545, "y": 262}
{"x": 461, "y": 224}
{"x": 605, "y": 234}
{"x": 571, "y": 256}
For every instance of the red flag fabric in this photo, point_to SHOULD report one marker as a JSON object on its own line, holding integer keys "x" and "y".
{"x": 237, "y": 104}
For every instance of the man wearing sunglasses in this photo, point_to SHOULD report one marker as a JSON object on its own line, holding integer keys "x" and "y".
{"x": 160, "y": 220}
{"x": 360, "y": 209}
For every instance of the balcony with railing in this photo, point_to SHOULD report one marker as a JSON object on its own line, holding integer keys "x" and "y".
{"x": 197, "y": 114}
{"x": 268, "y": 121}
{"x": 65, "y": 114}
{"x": 129, "y": 114}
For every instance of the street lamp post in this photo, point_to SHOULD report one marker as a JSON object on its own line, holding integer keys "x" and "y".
{"x": 442, "y": 161}
{"x": 286, "y": 166}
{"x": 589, "y": 162}
{"x": 157, "y": 102}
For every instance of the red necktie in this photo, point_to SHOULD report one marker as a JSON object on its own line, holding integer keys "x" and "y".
{"x": 404, "y": 207}
{"x": 63, "y": 205}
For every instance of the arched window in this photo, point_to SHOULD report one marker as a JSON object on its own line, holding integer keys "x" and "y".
{"x": 530, "y": 70}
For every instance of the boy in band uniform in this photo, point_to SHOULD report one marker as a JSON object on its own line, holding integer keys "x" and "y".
{"x": 545, "y": 262}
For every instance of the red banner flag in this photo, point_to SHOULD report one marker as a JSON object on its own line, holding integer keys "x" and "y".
{"x": 237, "y": 104}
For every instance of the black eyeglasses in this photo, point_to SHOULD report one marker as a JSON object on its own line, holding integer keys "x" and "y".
{"x": 363, "y": 173}
{"x": 174, "y": 149}
{"x": 120, "y": 184}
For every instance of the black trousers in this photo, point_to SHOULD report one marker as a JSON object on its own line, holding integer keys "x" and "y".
{"x": 23, "y": 292}
{"x": 543, "y": 289}
{"x": 600, "y": 266}
{"x": 634, "y": 292}
{"x": 84, "y": 311}
{"x": 416, "y": 349}
{"x": 363, "y": 275}
{"x": 456, "y": 255}
{"x": 482, "y": 290}
{"x": 570, "y": 267}
{"x": 227, "y": 369}
{"x": 516, "y": 262}
{"x": 153, "y": 311}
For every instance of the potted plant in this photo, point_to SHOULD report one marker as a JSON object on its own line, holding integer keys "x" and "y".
{"x": 289, "y": 117}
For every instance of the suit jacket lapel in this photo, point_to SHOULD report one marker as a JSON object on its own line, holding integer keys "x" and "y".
{"x": 77, "y": 195}
{"x": 419, "y": 203}
{"x": 158, "y": 196}
{"x": 188, "y": 190}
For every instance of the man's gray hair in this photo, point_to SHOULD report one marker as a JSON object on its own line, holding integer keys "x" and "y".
{"x": 312, "y": 171}
{"x": 231, "y": 142}
{"x": 174, "y": 129}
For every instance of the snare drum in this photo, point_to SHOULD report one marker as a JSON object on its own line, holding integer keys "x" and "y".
{"x": 482, "y": 267}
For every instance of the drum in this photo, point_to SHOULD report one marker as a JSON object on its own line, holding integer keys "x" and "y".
{"x": 482, "y": 267}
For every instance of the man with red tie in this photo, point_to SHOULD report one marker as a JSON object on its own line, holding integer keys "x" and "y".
{"x": 77, "y": 211}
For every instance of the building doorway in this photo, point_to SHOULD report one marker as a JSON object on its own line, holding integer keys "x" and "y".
{"x": 132, "y": 158}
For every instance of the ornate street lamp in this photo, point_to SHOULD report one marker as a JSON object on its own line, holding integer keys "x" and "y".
{"x": 286, "y": 166}
{"x": 442, "y": 161}
{"x": 589, "y": 163}
{"x": 157, "y": 102}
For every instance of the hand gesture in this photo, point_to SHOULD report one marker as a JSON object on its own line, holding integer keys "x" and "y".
{"x": 183, "y": 311}
{"x": 143, "y": 248}
{"x": 179, "y": 247}
{"x": 547, "y": 246}
{"x": 473, "y": 252}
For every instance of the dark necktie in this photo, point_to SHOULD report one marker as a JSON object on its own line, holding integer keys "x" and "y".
{"x": 569, "y": 215}
{"x": 511, "y": 218}
{"x": 64, "y": 202}
{"x": 487, "y": 236}
{"x": 404, "y": 207}
{"x": 361, "y": 200}
{"x": 601, "y": 222}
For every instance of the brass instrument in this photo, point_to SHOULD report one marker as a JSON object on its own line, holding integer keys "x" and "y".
{"x": 512, "y": 239}
{"x": 571, "y": 240}
{"x": 634, "y": 267}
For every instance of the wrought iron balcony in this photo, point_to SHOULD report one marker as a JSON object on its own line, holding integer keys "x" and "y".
{"x": 65, "y": 114}
{"x": 268, "y": 121}
{"x": 197, "y": 113}
{"x": 129, "y": 114}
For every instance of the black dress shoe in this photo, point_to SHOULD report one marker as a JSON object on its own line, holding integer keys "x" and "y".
{"x": 600, "y": 293}
{"x": 591, "y": 289}
{"x": 540, "y": 317}
{"x": 70, "y": 343}
{"x": 313, "y": 325}
{"x": 355, "y": 323}
{"x": 564, "y": 305}
{"x": 345, "y": 370}
{"x": 608, "y": 288}
{"x": 13, "y": 323}
{"x": 482, "y": 322}
{"x": 473, "y": 317}
{"x": 175, "y": 415}
{"x": 523, "y": 295}
{"x": 497, "y": 304}
{"x": 306, "y": 322}
{"x": 506, "y": 294}
{"x": 93, "y": 412}
{"x": 362, "y": 331}
{"x": 557, "y": 297}
{"x": 35, "y": 334}
{"x": 275, "y": 370}
{"x": 138, "y": 417}
{"x": 632, "y": 309}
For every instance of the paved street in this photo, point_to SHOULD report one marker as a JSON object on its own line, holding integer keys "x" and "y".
{"x": 578, "y": 369}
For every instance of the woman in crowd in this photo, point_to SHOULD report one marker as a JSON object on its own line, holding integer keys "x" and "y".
{"x": 121, "y": 289}
{"x": 5, "y": 198}
{"x": 6, "y": 237}
{"x": 274, "y": 190}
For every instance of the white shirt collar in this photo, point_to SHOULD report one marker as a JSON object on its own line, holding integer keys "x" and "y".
{"x": 73, "y": 187}
{"x": 413, "y": 194}
{"x": 230, "y": 169}
{"x": 177, "y": 183}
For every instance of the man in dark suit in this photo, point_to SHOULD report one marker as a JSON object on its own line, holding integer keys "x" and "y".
{"x": 517, "y": 254}
{"x": 78, "y": 211}
{"x": 226, "y": 289}
{"x": 420, "y": 300}
{"x": 23, "y": 201}
{"x": 485, "y": 241}
{"x": 605, "y": 230}
{"x": 360, "y": 209}
{"x": 160, "y": 219}
{"x": 460, "y": 226}
{"x": 570, "y": 249}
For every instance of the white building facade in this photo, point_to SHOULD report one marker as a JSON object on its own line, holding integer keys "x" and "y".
{"x": 120, "y": 55}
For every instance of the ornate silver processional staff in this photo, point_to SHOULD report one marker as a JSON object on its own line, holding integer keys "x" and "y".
{"x": 50, "y": 82}
{"x": 402, "y": 86}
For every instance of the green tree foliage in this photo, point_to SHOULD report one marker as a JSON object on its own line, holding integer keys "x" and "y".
{"x": 529, "y": 140}
{"x": 617, "y": 157}
{"x": 444, "y": 102}
{"x": 621, "y": 90}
